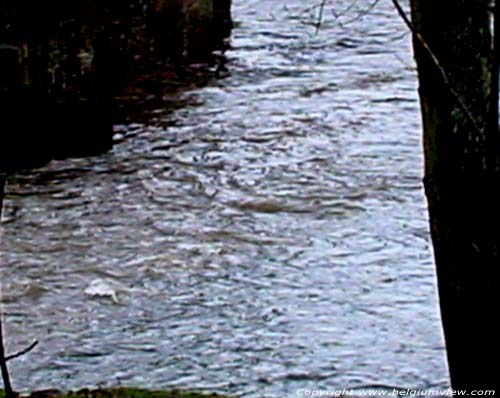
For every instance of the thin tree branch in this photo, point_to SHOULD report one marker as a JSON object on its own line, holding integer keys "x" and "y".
{"x": 337, "y": 15}
{"x": 460, "y": 101}
{"x": 9, "y": 392}
{"x": 22, "y": 352}
{"x": 364, "y": 12}
{"x": 320, "y": 16}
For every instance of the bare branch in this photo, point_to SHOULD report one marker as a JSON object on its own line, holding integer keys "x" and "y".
{"x": 22, "y": 352}
{"x": 9, "y": 392}
{"x": 338, "y": 15}
{"x": 363, "y": 13}
{"x": 320, "y": 16}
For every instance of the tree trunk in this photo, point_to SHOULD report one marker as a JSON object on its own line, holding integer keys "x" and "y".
{"x": 462, "y": 177}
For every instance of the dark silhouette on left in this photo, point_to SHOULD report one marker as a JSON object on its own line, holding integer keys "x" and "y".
{"x": 37, "y": 128}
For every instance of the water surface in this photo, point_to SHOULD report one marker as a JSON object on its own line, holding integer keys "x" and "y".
{"x": 268, "y": 236}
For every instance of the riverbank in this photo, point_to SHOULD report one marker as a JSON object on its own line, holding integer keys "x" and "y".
{"x": 122, "y": 392}
{"x": 63, "y": 65}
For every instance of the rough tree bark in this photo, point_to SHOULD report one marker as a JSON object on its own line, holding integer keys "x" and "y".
{"x": 462, "y": 176}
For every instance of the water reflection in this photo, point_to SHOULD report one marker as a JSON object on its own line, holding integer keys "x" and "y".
{"x": 273, "y": 238}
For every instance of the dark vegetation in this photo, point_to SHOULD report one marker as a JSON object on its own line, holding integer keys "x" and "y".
{"x": 63, "y": 63}
{"x": 118, "y": 393}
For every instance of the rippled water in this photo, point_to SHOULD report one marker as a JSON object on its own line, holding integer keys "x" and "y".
{"x": 271, "y": 235}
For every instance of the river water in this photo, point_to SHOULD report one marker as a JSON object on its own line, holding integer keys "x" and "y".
{"x": 268, "y": 236}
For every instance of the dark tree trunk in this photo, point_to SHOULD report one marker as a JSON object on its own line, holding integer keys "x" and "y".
{"x": 462, "y": 177}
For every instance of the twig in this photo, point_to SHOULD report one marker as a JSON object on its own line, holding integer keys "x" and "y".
{"x": 3, "y": 363}
{"x": 22, "y": 352}
{"x": 9, "y": 392}
{"x": 320, "y": 16}
{"x": 338, "y": 15}
{"x": 440, "y": 68}
{"x": 363, "y": 13}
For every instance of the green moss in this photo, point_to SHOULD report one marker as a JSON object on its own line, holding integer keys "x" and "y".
{"x": 123, "y": 392}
